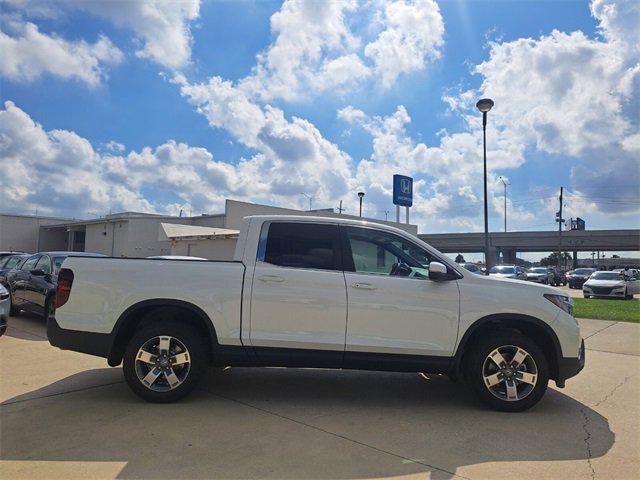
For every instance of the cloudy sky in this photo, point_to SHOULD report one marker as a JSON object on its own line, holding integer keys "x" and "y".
{"x": 162, "y": 106}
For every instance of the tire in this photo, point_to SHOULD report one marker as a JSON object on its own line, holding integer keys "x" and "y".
{"x": 185, "y": 345}
{"x": 529, "y": 380}
{"x": 13, "y": 311}
{"x": 628, "y": 296}
{"x": 48, "y": 308}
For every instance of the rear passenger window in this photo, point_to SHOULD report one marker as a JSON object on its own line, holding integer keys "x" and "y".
{"x": 303, "y": 245}
{"x": 30, "y": 263}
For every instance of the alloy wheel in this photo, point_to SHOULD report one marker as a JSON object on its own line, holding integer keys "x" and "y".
{"x": 162, "y": 363}
{"x": 510, "y": 373}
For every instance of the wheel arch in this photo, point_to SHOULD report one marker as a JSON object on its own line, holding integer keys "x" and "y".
{"x": 146, "y": 310}
{"x": 534, "y": 328}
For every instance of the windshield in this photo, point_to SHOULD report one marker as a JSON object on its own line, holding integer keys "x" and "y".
{"x": 502, "y": 269}
{"x": 538, "y": 270}
{"x": 12, "y": 262}
{"x": 583, "y": 271}
{"x": 606, "y": 276}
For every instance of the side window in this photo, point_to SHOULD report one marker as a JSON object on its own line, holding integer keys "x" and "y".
{"x": 30, "y": 263}
{"x": 302, "y": 245}
{"x": 57, "y": 263}
{"x": 382, "y": 253}
{"x": 44, "y": 264}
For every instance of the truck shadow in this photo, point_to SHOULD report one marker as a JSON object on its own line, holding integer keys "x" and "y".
{"x": 286, "y": 423}
{"x": 27, "y": 326}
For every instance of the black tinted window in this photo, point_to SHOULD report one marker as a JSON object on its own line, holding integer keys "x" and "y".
{"x": 303, "y": 245}
{"x": 30, "y": 263}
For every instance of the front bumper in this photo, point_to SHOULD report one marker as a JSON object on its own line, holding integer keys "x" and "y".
{"x": 537, "y": 279}
{"x": 570, "y": 367}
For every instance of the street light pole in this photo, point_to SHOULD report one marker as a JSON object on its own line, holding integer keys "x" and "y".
{"x": 484, "y": 105}
{"x": 505, "y": 202}
{"x": 361, "y": 196}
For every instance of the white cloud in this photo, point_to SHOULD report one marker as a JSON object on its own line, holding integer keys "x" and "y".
{"x": 28, "y": 54}
{"x": 316, "y": 49}
{"x": 164, "y": 27}
{"x": 572, "y": 97}
{"x": 414, "y": 33}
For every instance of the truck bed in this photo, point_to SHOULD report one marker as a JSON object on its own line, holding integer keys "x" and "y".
{"x": 103, "y": 288}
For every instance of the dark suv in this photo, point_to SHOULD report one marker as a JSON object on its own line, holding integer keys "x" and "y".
{"x": 577, "y": 277}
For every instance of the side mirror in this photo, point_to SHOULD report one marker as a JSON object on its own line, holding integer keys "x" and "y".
{"x": 37, "y": 273}
{"x": 437, "y": 271}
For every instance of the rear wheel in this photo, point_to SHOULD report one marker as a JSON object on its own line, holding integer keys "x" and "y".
{"x": 163, "y": 362}
{"x": 508, "y": 371}
{"x": 13, "y": 310}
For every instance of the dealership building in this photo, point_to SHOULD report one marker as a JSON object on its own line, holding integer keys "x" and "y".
{"x": 132, "y": 234}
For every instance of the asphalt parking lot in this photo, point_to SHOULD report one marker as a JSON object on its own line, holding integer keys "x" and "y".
{"x": 67, "y": 415}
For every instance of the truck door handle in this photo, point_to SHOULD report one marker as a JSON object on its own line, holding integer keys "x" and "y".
{"x": 363, "y": 286}
{"x": 271, "y": 278}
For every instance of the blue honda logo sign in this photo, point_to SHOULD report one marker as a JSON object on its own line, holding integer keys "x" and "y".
{"x": 402, "y": 190}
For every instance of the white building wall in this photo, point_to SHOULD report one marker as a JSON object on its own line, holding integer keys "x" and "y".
{"x": 218, "y": 249}
{"x": 21, "y": 232}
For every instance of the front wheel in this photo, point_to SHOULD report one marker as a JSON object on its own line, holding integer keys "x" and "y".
{"x": 163, "y": 362}
{"x": 508, "y": 371}
{"x": 627, "y": 295}
{"x": 13, "y": 310}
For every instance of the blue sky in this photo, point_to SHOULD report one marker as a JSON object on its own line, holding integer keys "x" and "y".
{"x": 233, "y": 100}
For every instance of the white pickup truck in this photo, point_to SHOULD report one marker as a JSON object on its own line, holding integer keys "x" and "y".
{"x": 323, "y": 293}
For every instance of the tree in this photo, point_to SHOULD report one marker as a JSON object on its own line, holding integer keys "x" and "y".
{"x": 552, "y": 260}
{"x": 460, "y": 258}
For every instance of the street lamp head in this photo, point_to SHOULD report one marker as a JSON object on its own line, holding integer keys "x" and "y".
{"x": 361, "y": 194}
{"x": 484, "y": 105}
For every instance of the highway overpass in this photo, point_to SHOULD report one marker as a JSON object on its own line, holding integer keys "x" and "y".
{"x": 509, "y": 243}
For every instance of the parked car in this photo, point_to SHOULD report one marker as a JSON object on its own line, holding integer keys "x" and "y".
{"x": 32, "y": 286}
{"x": 508, "y": 271}
{"x": 610, "y": 284}
{"x": 284, "y": 301}
{"x": 577, "y": 277}
{"x": 4, "y": 309}
{"x": 558, "y": 276}
{"x": 472, "y": 267}
{"x": 10, "y": 262}
{"x": 540, "y": 275}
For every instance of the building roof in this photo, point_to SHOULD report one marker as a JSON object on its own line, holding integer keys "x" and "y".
{"x": 177, "y": 231}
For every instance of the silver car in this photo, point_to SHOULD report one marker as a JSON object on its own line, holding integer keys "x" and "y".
{"x": 540, "y": 275}
{"x": 508, "y": 271}
{"x": 4, "y": 309}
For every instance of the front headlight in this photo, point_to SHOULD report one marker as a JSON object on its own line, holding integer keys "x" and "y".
{"x": 560, "y": 301}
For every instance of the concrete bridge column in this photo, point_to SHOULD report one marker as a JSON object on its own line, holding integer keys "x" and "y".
{"x": 493, "y": 257}
{"x": 509, "y": 255}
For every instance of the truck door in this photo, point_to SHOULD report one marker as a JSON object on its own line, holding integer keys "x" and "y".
{"x": 394, "y": 308}
{"x": 299, "y": 298}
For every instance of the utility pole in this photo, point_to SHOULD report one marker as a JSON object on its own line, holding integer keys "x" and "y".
{"x": 505, "y": 202}
{"x": 340, "y": 209}
{"x": 560, "y": 220}
{"x": 386, "y": 215}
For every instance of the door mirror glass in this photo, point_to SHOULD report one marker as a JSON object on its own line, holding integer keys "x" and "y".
{"x": 437, "y": 271}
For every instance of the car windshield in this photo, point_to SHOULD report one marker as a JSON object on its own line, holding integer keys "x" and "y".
{"x": 502, "y": 269}
{"x": 538, "y": 270}
{"x": 12, "y": 262}
{"x": 606, "y": 276}
{"x": 583, "y": 271}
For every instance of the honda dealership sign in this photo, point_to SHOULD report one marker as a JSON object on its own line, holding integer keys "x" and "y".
{"x": 402, "y": 190}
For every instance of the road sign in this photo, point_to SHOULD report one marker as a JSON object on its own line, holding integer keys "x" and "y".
{"x": 402, "y": 190}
